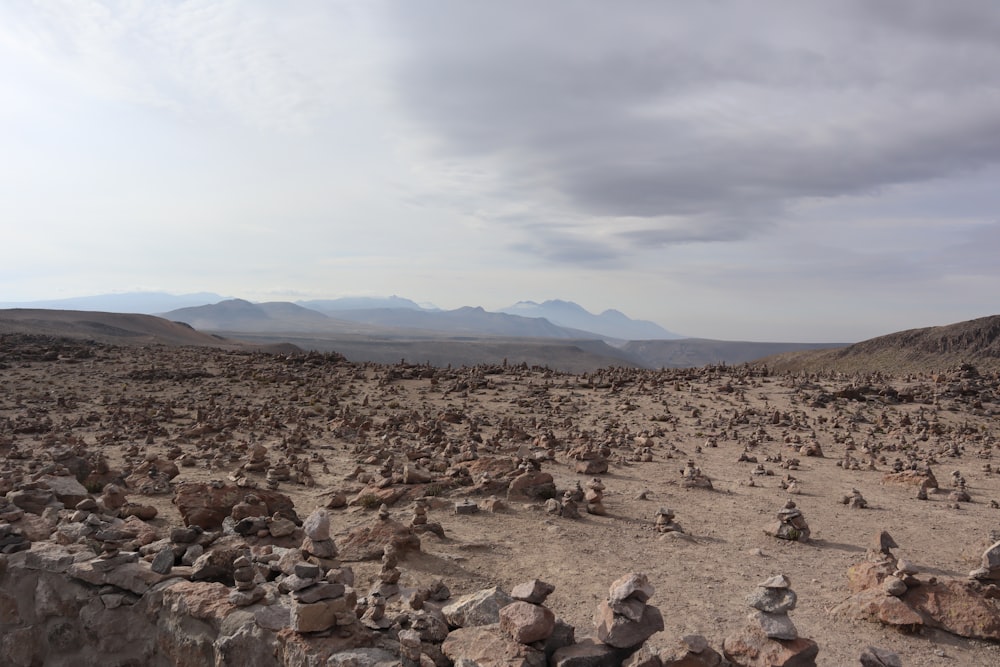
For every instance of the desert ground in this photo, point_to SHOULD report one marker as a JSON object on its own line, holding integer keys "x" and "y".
{"x": 342, "y": 427}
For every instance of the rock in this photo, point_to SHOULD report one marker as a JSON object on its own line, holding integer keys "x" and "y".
{"x": 958, "y": 607}
{"x": 487, "y": 646}
{"x": 281, "y": 527}
{"x": 526, "y": 623}
{"x": 631, "y": 586}
{"x": 884, "y": 542}
{"x": 534, "y": 591}
{"x": 879, "y": 657}
{"x": 65, "y": 488}
{"x": 621, "y": 632}
{"x": 206, "y": 506}
{"x": 163, "y": 562}
{"x": 752, "y": 648}
{"x": 317, "y": 525}
{"x": 691, "y": 651}
{"x": 479, "y": 608}
{"x": 531, "y": 485}
{"x": 589, "y": 653}
{"x": 894, "y": 586}
{"x": 772, "y": 600}
{"x": 644, "y": 657}
{"x": 775, "y": 626}
{"x": 370, "y": 542}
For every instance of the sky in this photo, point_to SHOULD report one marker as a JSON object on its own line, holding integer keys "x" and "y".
{"x": 771, "y": 170}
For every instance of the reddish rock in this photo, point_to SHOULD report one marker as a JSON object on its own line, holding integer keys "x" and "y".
{"x": 369, "y": 542}
{"x": 207, "y": 506}
{"x": 526, "y": 623}
{"x": 691, "y": 651}
{"x": 487, "y": 646}
{"x": 752, "y": 648}
{"x": 532, "y": 485}
{"x": 875, "y": 605}
{"x": 621, "y": 632}
{"x": 869, "y": 574}
{"x": 921, "y": 478}
{"x": 958, "y": 607}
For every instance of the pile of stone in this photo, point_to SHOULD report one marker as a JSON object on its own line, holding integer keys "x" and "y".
{"x": 665, "y": 521}
{"x": 247, "y": 591}
{"x": 791, "y": 525}
{"x": 419, "y": 523}
{"x": 693, "y": 478}
{"x": 526, "y": 620}
{"x": 854, "y": 500}
{"x": 590, "y": 460}
{"x": 318, "y": 603}
{"x": 256, "y": 459}
{"x": 770, "y": 637}
{"x": 595, "y": 497}
{"x": 624, "y": 620}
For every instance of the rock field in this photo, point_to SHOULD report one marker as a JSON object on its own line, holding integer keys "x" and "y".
{"x": 195, "y": 506}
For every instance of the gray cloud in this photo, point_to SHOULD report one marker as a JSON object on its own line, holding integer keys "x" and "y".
{"x": 705, "y": 119}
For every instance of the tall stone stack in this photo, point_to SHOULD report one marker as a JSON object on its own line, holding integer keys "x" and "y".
{"x": 595, "y": 497}
{"x": 247, "y": 591}
{"x": 770, "y": 639}
{"x": 318, "y": 603}
{"x": 624, "y": 620}
{"x": 791, "y": 524}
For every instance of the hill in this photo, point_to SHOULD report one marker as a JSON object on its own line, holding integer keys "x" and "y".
{"x": 975, "y": 342}
{"x": 694, "y": 352}
{"x": 114, "y": 328}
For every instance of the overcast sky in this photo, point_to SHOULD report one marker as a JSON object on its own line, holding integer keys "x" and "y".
{"x": 791, "y": 171}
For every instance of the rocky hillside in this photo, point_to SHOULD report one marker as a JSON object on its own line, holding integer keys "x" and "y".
{"x": 975, "y": 342}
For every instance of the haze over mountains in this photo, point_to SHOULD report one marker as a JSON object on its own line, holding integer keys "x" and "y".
{"x": 558, "y": 333}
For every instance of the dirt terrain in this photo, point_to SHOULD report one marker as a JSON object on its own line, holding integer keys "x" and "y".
{"x": 207, "y": 406}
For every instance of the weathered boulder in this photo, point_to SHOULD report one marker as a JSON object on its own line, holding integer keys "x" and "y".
{"x": 370, "y": 542}
{"x": 753, "y": 648}
{"x": 207, "y": 505}
{"x": 479, "y": 608}
{"x": 487, "y": 646}
{"x": 526, "y": 623}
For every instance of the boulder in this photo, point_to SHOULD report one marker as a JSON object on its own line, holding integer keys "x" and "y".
{"x": 487, "y": 646}
{"x": 207, "y": 505}
{"x": 479, "y": 608}
{"x": 752, "y": 648}
{"x": 527, "y": 623}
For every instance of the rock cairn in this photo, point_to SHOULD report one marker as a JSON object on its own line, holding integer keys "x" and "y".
{"x": 770, "y": 637}
{"x": 595, "y": 497}
{"x": 665, "y": 521}
{"x": 693, "y": 478}
{"x": 854, "y": 500}
{"x": 791, "y": 525}
{"x": 624, "y": 620}
{"x": 247, "y": 591}
{"x": 319, "y": 603}
{"x": 419, "y": 523}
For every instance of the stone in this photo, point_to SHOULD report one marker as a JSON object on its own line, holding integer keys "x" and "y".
{"x": 206, "y": 506}
{"x": 991, "y": 557}
{"x": 752, "y": 648}
{"x": 775, "y": 626}
{"x": 884, "y": 542}
{"x": 635, "y": 586}
{"x": 525, "y": 622}
{"x": 163, "y": 562}
{"x": 691, "y": 651}
{"x": 487, "y": 645}
{"x": 281, "y": 527}
{"x": 534, "y": 591}
{"x": 588, "y": 653}
{"x": 479, "y": 608}
{"x": 315, "y": 616}
{"x": 772, "y": 600}
{"x": 247, "y": 597}
{"x": 879, "y": 657}
{"x": 621, "y": 632}
{"x": 894, "y": 586}
{"x": 317, "y": 592}
{"x": 317, "y": 525}
{"x": 370, "y": 542}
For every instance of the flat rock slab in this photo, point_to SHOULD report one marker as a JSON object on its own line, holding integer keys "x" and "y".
{"x": 488, "y": 646}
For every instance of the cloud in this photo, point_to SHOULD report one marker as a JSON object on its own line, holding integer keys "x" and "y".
{"x": 707, "y": 120}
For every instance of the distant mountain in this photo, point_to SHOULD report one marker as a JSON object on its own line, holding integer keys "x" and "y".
{"x": 331, "y": 306}
{"x": 466, "y": 320}
{"x": 146, "y": 303}
{"x": 610, "y": 323}
{"x": 240, "y": 315}
{"x": 929, "y": 349}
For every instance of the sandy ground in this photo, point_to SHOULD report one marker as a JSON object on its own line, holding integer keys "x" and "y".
{"x": 133, "y": 402}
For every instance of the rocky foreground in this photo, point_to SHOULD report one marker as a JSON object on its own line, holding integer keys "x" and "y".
{"x": 189, "y": 506}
